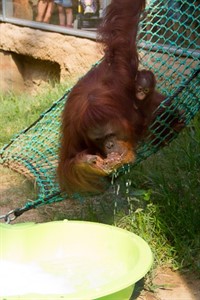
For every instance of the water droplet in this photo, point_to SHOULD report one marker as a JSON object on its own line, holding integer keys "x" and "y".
{"x": 118, "y": 189}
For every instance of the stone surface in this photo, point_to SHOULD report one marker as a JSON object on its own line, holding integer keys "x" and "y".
{"x": 10, "y": 77}
{"x": 70, "y": 56}
{"x": 22, "y": 9}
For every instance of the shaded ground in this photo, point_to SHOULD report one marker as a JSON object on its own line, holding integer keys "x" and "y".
{"x": 167, "y": 285}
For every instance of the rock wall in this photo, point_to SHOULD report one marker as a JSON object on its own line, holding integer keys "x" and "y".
{"x": 31, "y": 57}
{"x": 22, "y": 9}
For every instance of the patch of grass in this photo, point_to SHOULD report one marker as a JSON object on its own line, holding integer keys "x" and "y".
{"x": 170, "y": 220}
{"x": 18, "y": 112}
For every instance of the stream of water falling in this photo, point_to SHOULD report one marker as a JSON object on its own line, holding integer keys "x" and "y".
{"x": 116, "y": 189}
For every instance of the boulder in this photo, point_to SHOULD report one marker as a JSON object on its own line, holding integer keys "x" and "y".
{"x": 44, "y": 56}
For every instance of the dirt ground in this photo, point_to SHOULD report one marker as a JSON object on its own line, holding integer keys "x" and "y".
{"x": 167, "y": 285}
{"x": 171, "y": 285}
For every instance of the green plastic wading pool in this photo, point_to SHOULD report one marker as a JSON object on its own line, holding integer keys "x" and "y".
{"x": 74, "y": 260}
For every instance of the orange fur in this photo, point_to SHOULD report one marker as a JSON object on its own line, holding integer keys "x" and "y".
{"x": 103, "y": 98}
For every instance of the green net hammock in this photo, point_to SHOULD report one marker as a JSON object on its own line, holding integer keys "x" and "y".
{"x": 169, "y": 45}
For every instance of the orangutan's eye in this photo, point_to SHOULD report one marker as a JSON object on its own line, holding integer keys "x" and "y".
{"x": 139, "y": 89}
{"x": 146, "y": 90}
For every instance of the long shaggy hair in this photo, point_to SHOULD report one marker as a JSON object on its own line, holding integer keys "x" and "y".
{"x": 103, "y": 96}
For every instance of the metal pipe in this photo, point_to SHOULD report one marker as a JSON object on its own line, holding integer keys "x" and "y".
{"x": 3, "y": 9}
{"x": 49, "y": 27}
{"x": 156, "y": 47}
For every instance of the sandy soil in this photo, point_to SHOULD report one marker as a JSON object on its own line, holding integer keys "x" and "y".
{"x": 171, "y": 285}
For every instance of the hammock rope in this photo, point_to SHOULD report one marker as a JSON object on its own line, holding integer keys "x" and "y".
{"x": 168, "y": 45}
